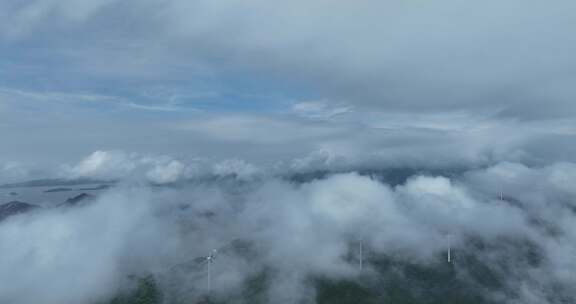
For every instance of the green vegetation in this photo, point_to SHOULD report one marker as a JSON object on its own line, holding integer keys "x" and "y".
{"x": 146, "y": 292}
{"x": 344, "y": 292}
{"x": 467, "y": 280}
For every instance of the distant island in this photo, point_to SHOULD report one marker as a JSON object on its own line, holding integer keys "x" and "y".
{"x": 56, "y": 183}
{"x": 100, "y": 187}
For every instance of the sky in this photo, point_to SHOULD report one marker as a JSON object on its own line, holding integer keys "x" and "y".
{"x": 423, "y": 83}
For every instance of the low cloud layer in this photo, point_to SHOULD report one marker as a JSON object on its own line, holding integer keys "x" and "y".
{"x": 113, "y": 165}
{"x": 296, "y": 232}
{"x": 78, "y": 255}
{"x": 156, "y": 169}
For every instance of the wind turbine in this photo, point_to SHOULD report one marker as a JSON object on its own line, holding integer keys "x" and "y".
{"x": 449, "y": 253}
{"x": 209, "y": 260}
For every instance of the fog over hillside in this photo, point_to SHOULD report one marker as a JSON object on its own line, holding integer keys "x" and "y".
{"x": 515, "y": 221}
{"x": 227, "y": 151}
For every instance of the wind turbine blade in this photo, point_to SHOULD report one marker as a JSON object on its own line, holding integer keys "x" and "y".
{"x": 200, "y": 259}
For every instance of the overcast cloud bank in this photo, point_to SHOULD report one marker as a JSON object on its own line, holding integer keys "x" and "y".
{"x": 438, "y": 82}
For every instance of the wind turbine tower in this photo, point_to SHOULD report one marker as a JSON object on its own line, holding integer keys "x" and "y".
{"x": 449, "y": 253}
{"x": 361, "y": 259}
{"x": 209, "y": 260}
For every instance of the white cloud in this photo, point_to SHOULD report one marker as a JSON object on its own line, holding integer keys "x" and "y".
{"x": 112, "y": 165}
{"x": 398, "y": 56}
{"x": 168, "y": 172}
{"x": 259, "y": 129}
{"x": 236, "y": 167}
{"x": 319, "y": 109}
{"x": 286, "y": 222}
{"x": 44, "y": 252}
{"x": 104, "y": 164}
{"x": 409, "y": 75}
{"x": 14, "y": 172}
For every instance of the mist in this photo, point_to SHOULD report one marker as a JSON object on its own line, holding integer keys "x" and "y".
{"x": 297, "y": 232}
